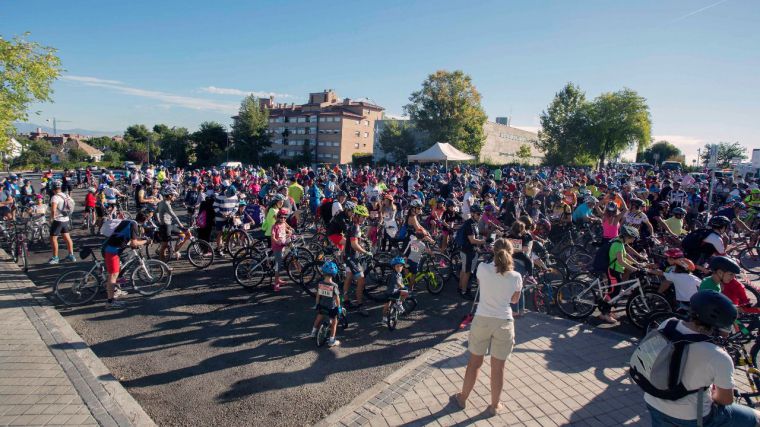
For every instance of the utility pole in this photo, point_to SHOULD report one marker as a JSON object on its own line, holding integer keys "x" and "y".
{"x": 55, "y": 124}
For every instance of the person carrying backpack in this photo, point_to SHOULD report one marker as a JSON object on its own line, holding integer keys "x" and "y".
{"x": 700, "y": 245}
{"x": 618, "y": 264}
{"x": 61, "y": 208}
{"x": 702, "y": 395}
{"x": 127, "y": 234}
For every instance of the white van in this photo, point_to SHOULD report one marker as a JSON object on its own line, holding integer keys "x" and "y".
{"x": 231, "y": 165}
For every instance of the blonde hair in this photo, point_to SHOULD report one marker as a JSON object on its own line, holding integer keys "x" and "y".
{"x": 502, "y": 256}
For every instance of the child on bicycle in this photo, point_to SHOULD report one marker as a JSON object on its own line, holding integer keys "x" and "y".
{"x": 414, "y": 251}
{"x": 679, "y": 274}
{"x": 281, "y": 231}
{"x": 395, "y": 285}
{"x": 328, "y": 302}
{"x": 39, "y": 208}
{"x": 723, "y": 279}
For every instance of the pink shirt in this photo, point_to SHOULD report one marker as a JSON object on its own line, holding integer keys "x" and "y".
{"x": 279, "y": 236}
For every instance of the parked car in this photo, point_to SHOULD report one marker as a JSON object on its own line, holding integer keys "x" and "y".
{"x": 671, "y": 166}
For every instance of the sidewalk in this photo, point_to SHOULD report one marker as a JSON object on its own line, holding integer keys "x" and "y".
{"x": 560, "y": 373}
{"x": 48, "y": 375}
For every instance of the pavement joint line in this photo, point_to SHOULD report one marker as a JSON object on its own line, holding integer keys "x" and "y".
{"x": 106, "y": 398}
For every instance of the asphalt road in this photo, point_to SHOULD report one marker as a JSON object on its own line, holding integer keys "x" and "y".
{"x": 207, "y": 351}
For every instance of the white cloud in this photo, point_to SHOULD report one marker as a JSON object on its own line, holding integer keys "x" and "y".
{"x": 167, "y": 99}
{"x": 237, "y": 92}
{"x": 85, "y": 79}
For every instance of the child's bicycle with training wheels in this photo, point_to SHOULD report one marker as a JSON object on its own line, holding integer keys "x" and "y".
{"x": 405, "y": 303}
{"x": 323, "y": 333}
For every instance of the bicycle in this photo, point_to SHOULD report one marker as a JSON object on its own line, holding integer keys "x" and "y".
{"x": 403, "y": 304}
{"x": 90, "y": 221}
{"x": 199, "y": 252}
{"x": 323, "y": 333}
{"x": 147, "y": 277}
{"x": 19, "y": 248}
{"x": 577, "y": 300}
{"x": 253, "y": 267}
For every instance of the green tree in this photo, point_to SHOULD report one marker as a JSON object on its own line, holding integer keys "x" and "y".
{"x": 659, "y": 152}
{"x": 397, "y": 140}
{"x": 249, "y": 130}
{"x": 140, "y": 139}
{"x": 77, "y": 155}
{"x": 617, "y": 121}
{"x": 174, "y": 143}
{"x": 112, "y": 157}
{"x": 106, "y": 144}
{"x": 210, "y": 141}
{"x": 27, "y": 71}
{"x": 727, "y": 151}
{"x": 524, "y": 153}
{"x": 448, "y": 109}
{"x": 564, "y": 125}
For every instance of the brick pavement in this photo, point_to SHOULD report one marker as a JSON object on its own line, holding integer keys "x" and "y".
{"x": 48, "y": 376}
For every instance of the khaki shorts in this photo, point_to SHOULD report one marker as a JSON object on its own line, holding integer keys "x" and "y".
{"x": 499, "y": 334}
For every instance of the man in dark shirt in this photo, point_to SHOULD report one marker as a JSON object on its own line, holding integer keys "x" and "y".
{"x": 469, "y": 252}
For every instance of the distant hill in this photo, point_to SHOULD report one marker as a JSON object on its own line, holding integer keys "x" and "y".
{"x": 31, "y": 127}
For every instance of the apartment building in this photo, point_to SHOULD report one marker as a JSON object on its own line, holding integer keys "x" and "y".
{"x": 331, "y": 129}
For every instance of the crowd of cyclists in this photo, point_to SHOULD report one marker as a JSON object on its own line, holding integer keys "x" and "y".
{"x": 558, "y": 219}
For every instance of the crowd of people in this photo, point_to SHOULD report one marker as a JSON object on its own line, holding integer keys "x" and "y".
{"x": 513, "y": 213}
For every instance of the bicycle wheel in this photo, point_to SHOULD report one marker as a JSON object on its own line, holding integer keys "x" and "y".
{"x": 251, "y": 271}
{"x": 749, "y": 258}
{"x": 76, "y": 287}
{"x": 296, "y": 262}
{"x": 439, "y": 266}
{"x": 241, "y": 254}
{"x": 375, "y": 281}
{"x": 154, "y": 278}
{"x": 576, "y": 300}
{"x": 323, "y": 333}
{"x": 578, "y": 262}
{"x": 200, "y": 254}
{"x": 392, "y": 321}
{"x": 655, "y": 320}
{"x": 753, "y": 352}
{"x": 639, "y": 307}
{"x": 14, "y": 250}
{"x": 539, "y": 300}
{"x": 410, "y": 303}
{"x": 753, "y": 294}
{"x": 24, "y": 258}
{"x": 310, "y": 276}
{"x": 236, "y": 240}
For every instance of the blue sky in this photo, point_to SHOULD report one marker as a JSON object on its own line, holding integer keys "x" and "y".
{"x": 183, "y": 62}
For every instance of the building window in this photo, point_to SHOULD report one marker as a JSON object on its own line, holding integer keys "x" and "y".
{"x": 357, "y": 133}
{"x": 364, "y": 145}
{"x": 366, "y": 134}
{"x": 356, "y": 145}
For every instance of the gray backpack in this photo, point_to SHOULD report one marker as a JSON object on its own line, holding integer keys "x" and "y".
{"x": 657, "y": 364}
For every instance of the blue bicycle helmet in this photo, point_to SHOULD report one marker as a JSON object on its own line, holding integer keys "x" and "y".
{"x": 230, "y": 191}
{"x": 329, "y": 268}
{"x": 398, "y": 261}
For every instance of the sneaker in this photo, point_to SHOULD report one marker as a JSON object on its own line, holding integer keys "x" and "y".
{"x": 54, "y": 260}
{"x": 115, "y": 304}
{"x": 118, "y": 293}
{"x": 71, "y": 258}
{"x": 333, "y": 343}
{"x": 386, "y": 319}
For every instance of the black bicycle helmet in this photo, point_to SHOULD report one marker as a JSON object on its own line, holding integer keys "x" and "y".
{"x": 724, "y": 263}
{"x": 678, "y": 211}
{"x": 718, "y": 221}
{"x": 450, "y": 203}
{"x": 637, "y": 203}
{"x": 628, "y": 231}
{"x": 713, "y": 309}
{"x": 476, "y": 209}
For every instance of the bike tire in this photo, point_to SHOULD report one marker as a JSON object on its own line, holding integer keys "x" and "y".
{"x": 310, "y": 277}
{"x": 375, "y": 281}
{"x": 343, "y": 320}
{"x": 579, "y": 262}
{"x": 410, "y": 303}
{"x": 392, "y": 320}
{"x": 638, "y": 312}
{"x": 241, "y": 254}
{"x": 323, "y": 333}
{"x": 236, "y": 240}
{"x": 568, "y": 302}
{"x": 753, "y": 294}
{"x": 200, "y": 253}
{"x": 753, "y": 352}
{"x": 153, "y": 279}
{"x": 297, "y": 262}
{"x": 655, "y": 319}
{"x": 539, "y": 303}
{"x": 24, "y": 258}
{"x": 749, "y": 259}
{"x": 251, "y": 271}
{"x": 76, "y": 287}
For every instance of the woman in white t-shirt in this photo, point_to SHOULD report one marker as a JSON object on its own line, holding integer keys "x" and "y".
{"x": 493, "y": 325}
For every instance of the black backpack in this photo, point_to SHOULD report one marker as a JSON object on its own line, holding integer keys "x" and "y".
{"x": 693, "y": 241}
{"x": 601, "y": 261}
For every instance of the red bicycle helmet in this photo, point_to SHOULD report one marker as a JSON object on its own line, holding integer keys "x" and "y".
{"x": 674, "y": 253}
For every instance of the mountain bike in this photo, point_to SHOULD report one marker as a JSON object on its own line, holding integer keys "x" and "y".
{"x": 253, "y": 268}
{"x": 577, "y": 300}
{"x": 199, "y": 252}
{"x": 147, "y": 277}
{"x": 405, "y": 303}
{"x": 19, "y": 247}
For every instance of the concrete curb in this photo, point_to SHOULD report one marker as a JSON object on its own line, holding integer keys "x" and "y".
{"x": 57, "y": 325}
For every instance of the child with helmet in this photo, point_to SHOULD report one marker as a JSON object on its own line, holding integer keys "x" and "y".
{"x": 328, "y": 302}
{"x": 395, "y": 284}
{"x": 679, "y": 274}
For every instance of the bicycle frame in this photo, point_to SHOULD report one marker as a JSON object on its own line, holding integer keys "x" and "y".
{"x": 627, "y": 287}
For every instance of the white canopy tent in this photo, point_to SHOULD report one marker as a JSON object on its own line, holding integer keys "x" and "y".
{"x": 440, "y": 152}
